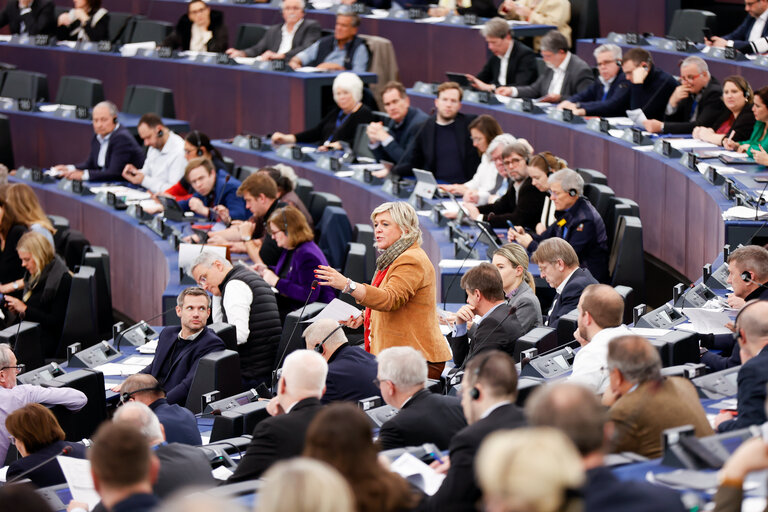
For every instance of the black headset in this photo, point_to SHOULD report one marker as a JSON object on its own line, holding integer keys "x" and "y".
{"x": 159, "y": 131}
{"x": 199, "y": 143}
{"x": 746, "y": 276}
{"x": 573, "y": 192}
{"x": 474, "y": 393}
{"x": 124, "y": 397}
{"x": 319, "y": 346}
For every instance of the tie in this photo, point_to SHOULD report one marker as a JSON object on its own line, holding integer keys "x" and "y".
{"x": 693, "y": 110}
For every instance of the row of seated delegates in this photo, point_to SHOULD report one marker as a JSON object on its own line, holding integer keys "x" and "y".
{"x": 86, "y": 21}
{"x": 165, "y": 161}
{"x": 578, "y": 223}
{"x": 200, "y": 30}
{"x": 511, "y": 62}
{"x": 293, "y": 274}
{"x": 543, "y": 12}
{"x": 401, "y": 302}
{"x": 284, "y": 41}
{"x": 112, "y": 149}
{"x": 14, "y": 396}
{"x": 38, "y": 436}
{"x": 443, "y": 146}
{"x": 340, "y": 124}
{"x": 481, "y": 8}
{"x": 751, "y": 30}
{"x": 45, "y": 293}
{"x": 389, "y": 141}
{"x": 344, "y": 50}
{"x": 29, "y": 17}
{"x": 215, "y": 192}
{"x": 565, "y": 76}
{"x": 242, "y": 298}
{"x": 755, "y": 146}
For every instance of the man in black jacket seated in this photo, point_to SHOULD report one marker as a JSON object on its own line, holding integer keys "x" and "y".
{"x": 697, "y": 101}
{"x": 651, "y": 87}
{"x": 351, "y": 370}
{"x": 559, "y": 266}
{"x": 299, "y": 31}
{"x": 299, "y": 390}
{"x": 488, "y": 393}
{"x": 179, "y": 423}
{"x": 424, "y": 417}
{"x": 578, "y": 223}
{"x": 497, "y": 328}
{"x": 389, "y": 143}
{"x": 609, "y": 95}
{"x": 31, "y": 17}
{"x": 743, "y": 35}
{"x": 578, "y": 413}
{"x": 112, "y": 148}
{"x": 443, "y": 145}
{"x": 200, "y": 30}
{"x": 512, "y": 62}
{"x": 242, "y": 298}
{"x": 179, "y": 349}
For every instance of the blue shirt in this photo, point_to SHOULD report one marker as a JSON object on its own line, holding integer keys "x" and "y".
{"x": 359, "y": 58}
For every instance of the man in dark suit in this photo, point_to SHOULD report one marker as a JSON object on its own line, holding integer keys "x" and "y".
{"x": 351, "y": 370}
{"x": 389, "y": 143}
{"x": 488, "y": 393}
{"x": 609, "y": 95}
{"x": 30, "y": 17}
{"x": 179, "y": 349}
{"x": 299, "y": 390}
{"x": 752, "y": 28}
{"x": 423, "y": 417}
{"x": 443, "y": 145}
{"x": 286, "y": 40}
{"x": 565, "y": 76}
{"x": 112, "y": 148}
{"x": 578, "y": 413}
{"x": 697, "y": 101}
{"x": 559, "y": 266}
{"x": 512, "y": 62}
{"x": 178, "y": 422}
{"x": 752, "y": 330}
{"x": 181, "y": 465}
{"x": 651, "y": 87}
{"x": 497, "y": 329}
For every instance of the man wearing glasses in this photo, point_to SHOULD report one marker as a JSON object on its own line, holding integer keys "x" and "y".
{"x": 13, "y": 397}
{"x": 697, "y": 101}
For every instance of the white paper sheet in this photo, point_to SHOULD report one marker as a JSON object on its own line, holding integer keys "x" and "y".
{"x": 118, "y": 370}
{"x": 149, "y": 347}
{"x": 637, "y": 116}
{"x": 137, "y": 360}
{"x": 648, "y": 332}
{"x": 418, "y": 473}
{"x": 743, "y": 213}
{"x": 130, "y": 49}
{"x": 78, "y": 475}
{"x": 707, "y": 320}
{"x": 221, "y": 473}
{"x": 686, "y": 143}
{"x": 338, "y": 310}
{"x": 444, "y": 264}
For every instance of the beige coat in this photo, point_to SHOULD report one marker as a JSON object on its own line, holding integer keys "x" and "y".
{"x": 545, "y": 12}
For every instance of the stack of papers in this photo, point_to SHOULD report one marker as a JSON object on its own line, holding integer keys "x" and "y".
{"x": 131, "y": 49}
{"x": 743, "y": 213}
{"x": 338, "y": 310}
{"x": 417, "y": 473}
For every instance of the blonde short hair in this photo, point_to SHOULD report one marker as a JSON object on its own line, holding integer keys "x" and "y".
{"x": 304, "y": 485}
{"x": 403, "y": 215}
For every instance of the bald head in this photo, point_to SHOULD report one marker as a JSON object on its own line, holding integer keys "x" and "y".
{"x": 752, "y": 325}
{"x": 604, "y": 304}
{"x": 142, "y": 387}
{"x": 304, "y": 374}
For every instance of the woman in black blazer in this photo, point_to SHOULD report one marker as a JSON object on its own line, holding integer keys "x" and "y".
{"x": 46, "y": 289}
{"x": 738, "y": 120}
{"x": 87, "y": 21}
{"x": 201, "y": 29}
{"x": 38, "y": 436}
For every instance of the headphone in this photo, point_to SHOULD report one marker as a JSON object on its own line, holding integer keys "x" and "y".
{"x": 114, "y": 120}
{"x": 124, "y": 397}
{"x": 199, "y": 143}
{"x": 474, "y": 393}
{"x": 159, "y": 131}
{"x": 319, "y": 346}
{"x": 618, "y": 62}
{"x": 285, "y": 222}
{"x": 572, "y": 192}
{"x": 746, "y": 276}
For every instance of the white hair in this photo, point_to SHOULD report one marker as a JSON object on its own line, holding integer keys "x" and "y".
{"x": 568, "y": 179}
{"x": 305, "y": 371}
{"x": 113, "y": 110}
{"x": 503, "y": 140}
{"x": 140, "y": 416}
{"x": 700, "y": 63}
{"x": 206, "y": 259}
{"x": 404, "y": 366}
{"x": 608, "y": 47}
{"x": 350, "y": 82}
{"x": 318, "y": 330}
{"x": 286, "y": 171}
{"x": 5, "y": 354}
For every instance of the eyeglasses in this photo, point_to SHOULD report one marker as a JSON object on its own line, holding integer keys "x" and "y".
{"x": 19, "y": 368}
{"x": 690, "y": 78}
{"x": 377, "y": 382}
{"x": 274, "y": 233}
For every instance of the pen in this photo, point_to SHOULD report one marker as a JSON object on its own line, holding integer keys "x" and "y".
{"x": 435, "y": 456}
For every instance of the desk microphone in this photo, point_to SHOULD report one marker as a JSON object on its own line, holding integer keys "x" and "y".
{"x": 64, "y": 451}
{"x": 760, "y": 200}
{"x": 143, "y": 323}
{"x": 288, "y": 344}
{"x": 18, "y": 329}
{"x": 221, "y": 192}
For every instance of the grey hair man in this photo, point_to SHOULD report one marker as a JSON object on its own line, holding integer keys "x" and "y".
{"x": 610, "y": 94}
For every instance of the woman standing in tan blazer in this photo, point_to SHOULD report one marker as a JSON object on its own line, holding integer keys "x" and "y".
{"x": 401, "y": 302}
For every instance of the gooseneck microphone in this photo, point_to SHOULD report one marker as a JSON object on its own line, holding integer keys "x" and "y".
{"x": 458, "y": 271}
{"x": 63, "y": 451}
{"x": 313, "y": 286}
{"x": 121, "y": 334}
{"x": 760, "y": 200}
{"x": 18, "y": 329}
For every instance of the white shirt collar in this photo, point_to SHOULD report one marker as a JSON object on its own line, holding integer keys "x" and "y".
{"x": 495, "y": 406}
{"x": 564, "y": 65}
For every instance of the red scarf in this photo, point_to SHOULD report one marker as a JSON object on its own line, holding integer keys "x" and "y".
{"x": 377, "y": 279}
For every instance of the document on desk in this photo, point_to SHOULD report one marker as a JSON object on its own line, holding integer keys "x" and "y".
{"x": 706, "y": 321}
{"x": 131, "y": 49}
{"x": 743, "y": 213}
{"x": 689, "y": 143}
{"x": 637, "y": 116}
{"x": 417, "y": 473}
{"x": 137, "y": 360}
{"x": 431, "y": 19}
{"x": 78, "y": 475}
{"x": 448, "y": 264}
{"x": 118, "y": 370}
{"x": 338, "y": 310}
{"x": 648, "y": 332}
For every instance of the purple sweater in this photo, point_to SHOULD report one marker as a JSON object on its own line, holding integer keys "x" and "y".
{"x": 297, "y": 281}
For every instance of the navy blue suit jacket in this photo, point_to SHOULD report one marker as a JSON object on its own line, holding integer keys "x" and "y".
{"x": 653, "y": 94}
{"x": 569, "y": 299}
{"x": 603, "y": 492}
{"x": 615, "y": 103}
{"x": 179, "y": 423}
{"x": 225, "y": 193}
{"x": 182, "y": 368}
{"x": 48, "y": 474}
{"x": 122, "y": 149}
{"x": 351, "y": 371}
{"x": 402, "y": 135}
{"x": 740, "y": 36}
{"x": 751, "y": 381}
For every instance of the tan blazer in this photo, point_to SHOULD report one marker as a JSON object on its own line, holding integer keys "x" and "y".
{"x": 404, "y": 308}
{"x": 641, "y": 416}
{"x": 545, "y": 12}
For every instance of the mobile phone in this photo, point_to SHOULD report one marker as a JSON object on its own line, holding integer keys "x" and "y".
{"x": 707, "y": 32}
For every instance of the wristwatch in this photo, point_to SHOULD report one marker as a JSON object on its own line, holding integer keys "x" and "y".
{"x": 15, "y": 285}
{"x": 350, "y": 287}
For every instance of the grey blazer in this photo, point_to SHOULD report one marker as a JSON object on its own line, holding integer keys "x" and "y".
{"x": 578, "y": 76}
{"x": 308, "y": 32}
{"x": 528, "y": 308}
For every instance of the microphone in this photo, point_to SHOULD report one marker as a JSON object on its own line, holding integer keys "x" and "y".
{"x": 64, "y": 451}
{"x": 760, "y": 200}
{"x": 746, "y": 276}
{"x": 458, "y": 272}
{"x": 221, "y": 192}
{"x": 18, "y": 329}
{"x": 301, "y": 315}
{"x": 512, "y": 311}
{"x": 121, "y": 334}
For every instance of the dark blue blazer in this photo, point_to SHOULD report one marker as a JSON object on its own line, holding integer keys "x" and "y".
{"x": 585, "y": 231}
{"x": 351, "y": 371}
{"x": 121, "y": 150}
{"x": 225, "y": 193}
{"x": 740, "y": 36}
{"x": 753, "y": 376}
{"x": 569, "y": 299}
{"x": 402, "y": 135}
{"x": 603, "y": 492}
{"x": 615, "y": 103}
{"x": 48, "y": 474}
{"x": 653, "y": 94}
{"x": 179, "y": 423}
{"x": 137, "y": 503}
{"x": 182, "y": 368}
